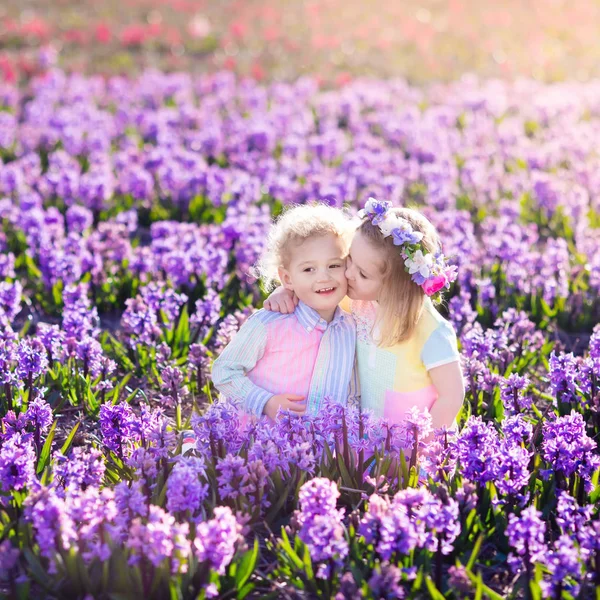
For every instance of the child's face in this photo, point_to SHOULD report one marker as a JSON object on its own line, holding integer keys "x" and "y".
{"x": 364, "y": 270}
{"x": 316, "y": 273}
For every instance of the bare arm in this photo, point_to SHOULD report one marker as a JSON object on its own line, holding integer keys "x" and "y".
{"x": 448, "y": 381}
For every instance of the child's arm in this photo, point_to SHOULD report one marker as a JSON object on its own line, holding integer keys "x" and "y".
{"x": 442, "y": 360}
{"x": 448, "y": 381}
{"x": 229, "y": 373}
{"x": 281, "y": 301}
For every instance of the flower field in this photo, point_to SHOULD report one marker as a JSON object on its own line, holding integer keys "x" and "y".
{"x": 131, "y": 211}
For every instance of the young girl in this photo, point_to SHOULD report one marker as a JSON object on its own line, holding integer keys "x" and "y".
{"x": 407, "y": 352}
{"x": 292, "y": 361}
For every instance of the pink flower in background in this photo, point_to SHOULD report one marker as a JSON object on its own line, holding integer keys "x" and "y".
{"x": 133, "y": 35}
{"x": 75, "y": 36}
{"x": 36, "y": 28}
{"x": 102, "y": 33}
{"x": 7, "y": 70}
{"x": 258, "y": 71}
{"x": 199, "y": 27}
{"x": 238, "y": 29}
{"x": 343, "y": 79}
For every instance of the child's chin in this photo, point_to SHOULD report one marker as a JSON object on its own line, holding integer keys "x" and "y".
{"x": 328, "y": 302}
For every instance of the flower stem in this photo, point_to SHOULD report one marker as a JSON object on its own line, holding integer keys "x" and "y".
{"x": 438, "y": 563}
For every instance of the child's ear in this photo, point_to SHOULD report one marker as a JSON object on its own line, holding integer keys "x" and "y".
{"x": 284, "y": 277}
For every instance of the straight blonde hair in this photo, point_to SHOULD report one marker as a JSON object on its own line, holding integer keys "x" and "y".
{"x": 401, "y": 300}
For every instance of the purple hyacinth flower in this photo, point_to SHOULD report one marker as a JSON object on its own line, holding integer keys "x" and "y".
{"x": 160, "y": 538}
{"x": 321, "y": 526}
{"x": 526, "y": 537}
{"x": 217, "y": 539}
{"x": 185, "y": 491}
{"x": 117, "y": 424}
{"x": 53, "y": 525}
{"x": 564, "y": 561}
{"x": 569, "y": 449}
{"x": 563, "y": 377}
{"x": 17, "y": 463}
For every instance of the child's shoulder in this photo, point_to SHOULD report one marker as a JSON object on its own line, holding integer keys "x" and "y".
{"x": 431, "y": 322}
{"x": 440, "y": 345}
{"x": 359, "y": 307}
{"x": 268, "y": 316}
{"x": 270, "y": 320}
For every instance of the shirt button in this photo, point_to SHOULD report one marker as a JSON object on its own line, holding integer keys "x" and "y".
{"x": 309, "y": 329}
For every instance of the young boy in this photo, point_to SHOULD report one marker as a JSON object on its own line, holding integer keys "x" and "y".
{"x": 293, "y": 361}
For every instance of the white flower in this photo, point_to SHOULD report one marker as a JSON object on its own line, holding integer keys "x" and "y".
{"x": 392, "y": 222}
{"x": 370, "y": 205}
{"x": 421, "y": 263}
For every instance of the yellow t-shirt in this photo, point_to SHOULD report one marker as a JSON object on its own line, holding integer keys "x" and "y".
{"x": 394, "y": 379}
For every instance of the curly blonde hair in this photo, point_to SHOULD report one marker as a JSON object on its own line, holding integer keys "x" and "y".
{"x": 295, "y": 225}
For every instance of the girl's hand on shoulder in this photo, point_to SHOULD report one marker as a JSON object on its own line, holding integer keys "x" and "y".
{"x": 282, "y": 301}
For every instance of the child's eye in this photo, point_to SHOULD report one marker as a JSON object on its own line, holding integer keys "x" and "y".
{"x": 334, "y": 266}
{"x": 362, "y": 275}
{"x": 308, "y": 269}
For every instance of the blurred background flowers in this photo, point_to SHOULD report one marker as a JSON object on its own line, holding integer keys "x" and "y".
{"x": 423, "y": 40}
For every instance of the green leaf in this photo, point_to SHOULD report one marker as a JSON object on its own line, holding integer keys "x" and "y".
{"x": 36, "y": 569}
{"x": 548, "y": 311}
{"x": 32, "y": 269}
{"x": 479, "y": 587}
{"x": 57, "y": 293}
{"x": 66, "y": 561}
{"x": 23, "y": 590}
{"x": 347, "y": 479}
{"x": 279, "y": 504}
{"x": 308, "y": 566}
{"x": 476, "y": 549}
{"x": 246, "y": 565}
{"x": 595, "y": 495}
{"x": 92, "y": 401}
{"x": 182, "y": 332}
{"x": 132, "y": 395}
{"x": 534, "y": 586}
{"x": 433, "y": 591}
{"x": 489, "y": 593}
{"x": 285, "y": 545}
{"x": 45, "y": 452}
{"x": 175, "y": 592}
{"x": 404, "y": 469}
{"x": 242, "y": 593}
{"x": 69, "y": 440}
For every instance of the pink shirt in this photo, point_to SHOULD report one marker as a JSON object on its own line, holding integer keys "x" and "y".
{"x": 298, "y": 354}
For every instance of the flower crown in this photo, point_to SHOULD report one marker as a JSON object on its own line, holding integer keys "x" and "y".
{"x": 430, "y": 271}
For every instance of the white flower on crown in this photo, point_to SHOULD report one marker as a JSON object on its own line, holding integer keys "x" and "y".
{"x": 420, "y": 263}
{"x": 370, "y": 205}
{"x": 392, "y": 222}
